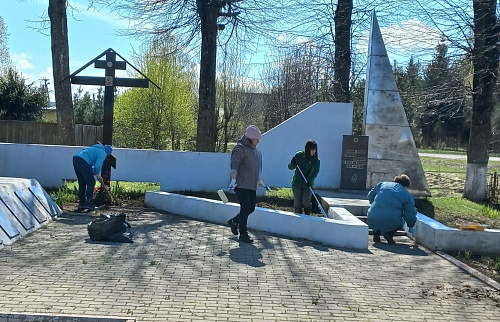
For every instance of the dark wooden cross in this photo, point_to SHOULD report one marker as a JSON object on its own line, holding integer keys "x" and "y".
{"x": 110, "y": 81}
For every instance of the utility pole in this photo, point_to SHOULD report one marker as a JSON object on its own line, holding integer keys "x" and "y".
{"x": 46, "y": 86}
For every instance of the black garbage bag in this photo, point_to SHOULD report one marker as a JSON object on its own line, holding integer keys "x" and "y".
{"x": 113, "y": 228}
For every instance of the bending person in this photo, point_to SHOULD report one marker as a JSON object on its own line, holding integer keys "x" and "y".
{"x": 391, "y": 206}
{"x": 87, "y": 164}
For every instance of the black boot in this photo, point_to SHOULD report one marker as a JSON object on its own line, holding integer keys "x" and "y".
{"x": 389, "y": 239}
{"x": 234, "y": 226}
{"x": 376, "y": 236}
{"x": 307, "y": 211}
{"x": 244, "y": 238}
{"x": 90, "y": 205}
{"x": 81, "y": 205}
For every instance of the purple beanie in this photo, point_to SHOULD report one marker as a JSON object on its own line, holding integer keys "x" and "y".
{"x": 108, "y": 149}
{"x": 253, "y": 132}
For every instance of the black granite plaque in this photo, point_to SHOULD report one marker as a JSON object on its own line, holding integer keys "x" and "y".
{"x": 354, "y": 162}
{"x": 35, "y": 207}
{"x": 19, "y": 210}
{"x": 6, "y": 222}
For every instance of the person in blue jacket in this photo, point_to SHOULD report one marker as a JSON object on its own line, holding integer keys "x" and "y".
{"x": 391, "y": 206}
{"x": 87, "y": 164}
{"x": 309, "y": 164}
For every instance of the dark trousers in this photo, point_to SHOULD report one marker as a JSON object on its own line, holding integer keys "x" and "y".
{"x": 246, "y": 199}
{"x": 389, "y": 234}
{"x": 302, "y": 198}
{"x": 86, "y": 179}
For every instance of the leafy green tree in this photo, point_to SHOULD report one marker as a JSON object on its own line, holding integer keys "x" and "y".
{"x": 89, "y": 109}
{"x": 4, "y": 50}
{"x": 158, "y": 119}
{"x": 410, "y": 85}
{"x": 443, "y": 114}
{"x": 18, "y": 100}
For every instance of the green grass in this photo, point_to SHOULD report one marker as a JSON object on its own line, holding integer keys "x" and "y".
{"x": 431, "y": 164}
{"x": 457, "y": 152}
{"x": 120, "y": 190}
{"x": 446, "y": 178}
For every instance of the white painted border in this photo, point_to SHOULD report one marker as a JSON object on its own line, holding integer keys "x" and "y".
{"x": 436, "y": 236}
{"x": 342, "y": 230}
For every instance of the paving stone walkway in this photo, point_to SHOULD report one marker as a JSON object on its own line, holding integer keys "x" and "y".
{"x": 180, "y": 269}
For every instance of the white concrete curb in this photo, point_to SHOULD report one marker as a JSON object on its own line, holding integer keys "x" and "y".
{"x": 342, "y": 229}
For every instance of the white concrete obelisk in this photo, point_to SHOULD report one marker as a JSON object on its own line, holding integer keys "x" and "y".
{"x": 391, "y": 148}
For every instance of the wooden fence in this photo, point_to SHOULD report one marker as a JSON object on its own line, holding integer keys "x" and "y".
{"x": 45, "y": 133}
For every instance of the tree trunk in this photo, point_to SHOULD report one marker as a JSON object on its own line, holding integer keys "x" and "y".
{"x": 206, "y": 135}
{"x": 342, "y": 59}
{"x": 60, "y": 66}
{"x": 485, "y": 61}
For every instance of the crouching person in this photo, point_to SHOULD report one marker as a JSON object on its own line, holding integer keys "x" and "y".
{"x": 391, "y": 206}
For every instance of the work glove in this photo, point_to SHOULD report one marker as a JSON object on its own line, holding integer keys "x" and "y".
{"x": 232, "y": 184}
{"x": 294, "y": 161}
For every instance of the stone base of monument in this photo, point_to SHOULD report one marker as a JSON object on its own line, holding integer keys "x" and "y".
{"x": 24, "y": 207}
{"x": 341, "y": 229}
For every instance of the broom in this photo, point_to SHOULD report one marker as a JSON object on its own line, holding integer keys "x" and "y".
{"x": 108, "y": 199}
{"x": 319, "y": 203}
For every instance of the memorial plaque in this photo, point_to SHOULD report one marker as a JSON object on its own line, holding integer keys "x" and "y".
{"x": 19, "y": 210}
{"x": 6, "y": 223}
{"x": 354, "y": 162}
{"x": 33, "y": 205}
{"x": 43, "y": 198}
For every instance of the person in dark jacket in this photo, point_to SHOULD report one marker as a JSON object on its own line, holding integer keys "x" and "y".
{"x": 246, "y": 166}
{"x": 309, "y": 164}
{"x": 391, "y": 206}
{"x": 87, "y": 164}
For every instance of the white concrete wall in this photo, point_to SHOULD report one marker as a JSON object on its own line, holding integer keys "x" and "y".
{"x": 341, "y": 230}
{"x": 326, "y": 123}
{"x": 436, "y": 236}
{"x": 51, "y": 164}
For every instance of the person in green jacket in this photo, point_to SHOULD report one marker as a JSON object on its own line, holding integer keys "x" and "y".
{"x": 309, "y": 163}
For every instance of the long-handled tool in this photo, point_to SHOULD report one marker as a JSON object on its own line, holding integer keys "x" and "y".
{"x": 222, "y": 195}
{"x": 314, "y": 195}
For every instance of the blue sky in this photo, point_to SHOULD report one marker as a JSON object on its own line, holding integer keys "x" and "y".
{"x": 90, "y": 34}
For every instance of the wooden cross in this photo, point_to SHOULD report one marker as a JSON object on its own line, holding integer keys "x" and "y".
{"x": 109, "y": 81}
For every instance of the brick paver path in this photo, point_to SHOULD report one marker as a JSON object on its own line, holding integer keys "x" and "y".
{"x": 180, "y": 269}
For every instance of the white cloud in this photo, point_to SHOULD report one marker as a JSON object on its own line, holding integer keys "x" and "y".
{"x": 409, "y": 38}
{"x": 410, "y": 35}
{"x": 22, "y": 61}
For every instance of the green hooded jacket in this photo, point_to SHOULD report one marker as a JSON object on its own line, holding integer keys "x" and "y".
{"x": 310, "y": 168}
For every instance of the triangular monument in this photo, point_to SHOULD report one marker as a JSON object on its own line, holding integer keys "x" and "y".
{"x": 391, "y": 148}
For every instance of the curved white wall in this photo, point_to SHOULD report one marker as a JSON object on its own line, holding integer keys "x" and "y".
{"x": 326, "y": 123}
